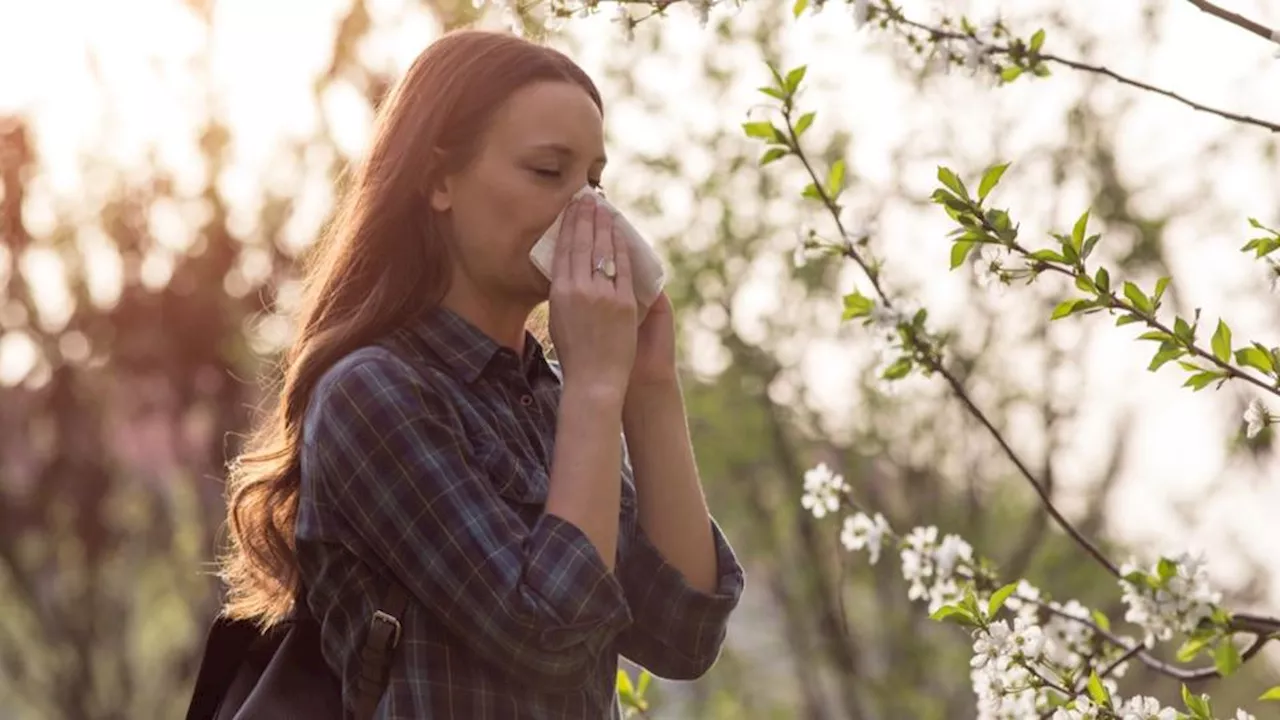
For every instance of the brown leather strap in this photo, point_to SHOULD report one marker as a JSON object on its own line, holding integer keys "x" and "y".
{"x": 379, "y": 646}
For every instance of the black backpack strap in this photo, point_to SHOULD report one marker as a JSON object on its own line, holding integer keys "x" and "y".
{"x": 379, "y": 645}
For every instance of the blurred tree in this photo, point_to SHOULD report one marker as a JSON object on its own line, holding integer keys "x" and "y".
{"x": 112, "y": 446}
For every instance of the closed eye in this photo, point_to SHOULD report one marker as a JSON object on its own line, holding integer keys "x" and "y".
{"x": 555, "y": 175}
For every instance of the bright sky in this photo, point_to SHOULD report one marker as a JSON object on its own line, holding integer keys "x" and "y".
{"x": 142, "y": 93}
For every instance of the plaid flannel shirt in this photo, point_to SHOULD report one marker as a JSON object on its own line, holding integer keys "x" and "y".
{"x": 425, "y": 461}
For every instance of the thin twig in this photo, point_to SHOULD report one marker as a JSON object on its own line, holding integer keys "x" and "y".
{"x": 936, "y": 365}
{"x": 1146, "y": 658}
{"x": 1115, "y": 303}
{"x": 943, "y": 33}
{"x": 1236, "y": 19}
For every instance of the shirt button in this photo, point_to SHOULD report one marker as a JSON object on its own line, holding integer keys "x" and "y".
{"x": 526, "y": 400}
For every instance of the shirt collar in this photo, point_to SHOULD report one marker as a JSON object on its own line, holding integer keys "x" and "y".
{"x": 468, "y": 351}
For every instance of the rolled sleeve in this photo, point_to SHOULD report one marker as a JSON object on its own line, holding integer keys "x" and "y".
{"x": 678, "y": 630}
{"x": 395, "y": 461}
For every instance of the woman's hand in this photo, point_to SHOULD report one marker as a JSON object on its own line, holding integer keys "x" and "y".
{"x": 593, "y": 317}
{"x": 655, "y": 363}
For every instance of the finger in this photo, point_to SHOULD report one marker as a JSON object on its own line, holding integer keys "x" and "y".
{"x": 584, "y": 241}
{"x": 622, "y": 259}
{"x": 561, "y": 262}
{"x": 603, "y": 246}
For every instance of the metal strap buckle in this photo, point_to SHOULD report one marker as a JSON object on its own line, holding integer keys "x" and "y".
{"x": 379, "y": 616}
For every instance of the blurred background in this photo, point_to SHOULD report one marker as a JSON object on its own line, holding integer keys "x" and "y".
{"x": 165, "y": 163}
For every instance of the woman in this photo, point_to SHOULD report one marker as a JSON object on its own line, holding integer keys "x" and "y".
{"x": 423, "y": 441}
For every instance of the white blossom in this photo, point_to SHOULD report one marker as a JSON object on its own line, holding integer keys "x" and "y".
{"x": 703, "y": 9}
{"x": 1256, "y": 417}
{"x": 1142, "y": 707}
{"x": 622, "y": 16}
{"x": 929, "y": 567}
{"x": 1083, "y": 709}
{"x": 822, "y": 489}
{"x": 805, "y": 251}
{"x": 861, "y": 11}
{"x": 989, "y": 267}
{"x": 861, "y": 531}
{"x": 886, "y": 318}
{"x": 1177, "y": 606}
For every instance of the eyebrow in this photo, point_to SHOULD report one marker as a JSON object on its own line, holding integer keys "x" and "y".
{"x": 562, "y": 149}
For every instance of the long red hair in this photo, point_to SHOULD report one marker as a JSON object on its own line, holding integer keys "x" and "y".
{"x": 381, "y": 261}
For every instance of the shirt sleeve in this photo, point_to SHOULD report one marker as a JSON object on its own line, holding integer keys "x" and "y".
{"x": 678, "y": 630}
{"x": 395, "y": 462}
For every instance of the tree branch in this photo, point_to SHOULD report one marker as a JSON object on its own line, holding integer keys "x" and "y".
{"x": 1236, "y": 19}
{"x": 934, "y": 363}
{"x": 937, "y": 33}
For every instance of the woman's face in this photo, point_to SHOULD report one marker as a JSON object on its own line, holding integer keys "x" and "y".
{"x": 542, "y": 145}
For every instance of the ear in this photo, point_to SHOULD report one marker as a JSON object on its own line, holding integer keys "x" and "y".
{"x": 441, "y": 192}
{"x": 441, "y": 195}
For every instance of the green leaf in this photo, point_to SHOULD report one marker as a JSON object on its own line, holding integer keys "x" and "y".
{"x": 798, "y": 7}
{"x": 898, "y": 370}
{"x": 762, "y": 129}
{"x": 1158, "y": 335}
{"x": 1103, "y": 280}
{"x": 942, "y": 197}
{"x": 1138, "y": 299}
{"x": 1226, "y": 658}
{"x": 1201, "y": 380}
{"x": 1161, "y": 285}
{"x": 1010, "y": 73}
{"x": 1255, "y": 357}
{"x": 1222, "y": 342}
{"x": 1199, "y": 706}
{"x": 835, "y": 178}
{"x": 794, "y": 78}
{"x": 812, "y": 192}
{"x": 624, "y": 684}
{"x": 1192, "y": 647}
{"x": 773, "y": 93}
{"x": 990, "y": 179}
{"x": 1272, "y": 694}
{"x": 1037, "y": 41}
{"x": 772, "y": 154}
{"x": 1183, "y": 331}
{"x": 1089, "y": 244}
{"x": 1166, "y": 569}
{"x": 643, "y": 685}
{"x": 1127, "y": 320}
{"x": 998, "y": 599}
{"x": 1077, "y": 231}
{"x": 1097, "y": 692}
{"x": 857, "y": 305}
{"x": 1261, "y": 246}
{"x": 1164, "y": 356}
{"x": 952, "y": 181}
{"x": 1047, "y": 256}
{"x": 956, "y": 614}
{"x": 1069, "y": 307}
{"x": 1101, "y": 620}
{"x": 804, "y": 122}
{"x": 960, "y": 252}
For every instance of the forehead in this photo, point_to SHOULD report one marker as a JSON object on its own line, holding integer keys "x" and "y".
{"x": 558, "y": 116}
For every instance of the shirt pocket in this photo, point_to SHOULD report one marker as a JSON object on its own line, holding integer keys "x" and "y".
{"x": 522, "y": 483}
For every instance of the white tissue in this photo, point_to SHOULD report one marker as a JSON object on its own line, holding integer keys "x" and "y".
{"x": 647, "y": 274}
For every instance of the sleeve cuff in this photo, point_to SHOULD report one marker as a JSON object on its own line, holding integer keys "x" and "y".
{"x": 571, "y": 581}
{"x": 666, "y": 605}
